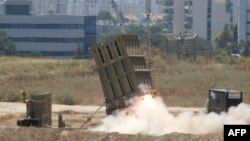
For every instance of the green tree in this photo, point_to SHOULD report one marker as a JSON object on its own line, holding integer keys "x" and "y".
{"x": 204, "y": 47}
{"x": 156, "y": 31}
{"x": 7, "y": 46}
{"x": 138, "y": 30}
{"x": 224, "y": 38}
{"x": 116, "y": 31}
{"x": 101, "y": 37}
{"x": 104, "y": 15}
{"x": 157, "y": 38}
{"x": 78, "y": 52}
{"x": 51, "y": 12}
{"x": 246, "y": 46}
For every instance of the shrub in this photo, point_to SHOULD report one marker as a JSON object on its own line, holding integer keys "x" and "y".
{"x": 223, "y": 57}
{"x": 66, "y": 97}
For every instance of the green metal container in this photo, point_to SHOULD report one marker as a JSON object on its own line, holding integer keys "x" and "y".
{"x": 220, "y": 100}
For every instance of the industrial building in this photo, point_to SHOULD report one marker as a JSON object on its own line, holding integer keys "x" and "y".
{"x": 57, "y": 35}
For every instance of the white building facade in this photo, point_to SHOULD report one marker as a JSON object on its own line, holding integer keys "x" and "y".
{"x": 137, "y": 8}
{"x": 244, "y": 20}
{"x": 51, "y": 35}
{"x": 205, "y": 17}
{"x": 49, "y": 7}
{"x": 70, "y": 7}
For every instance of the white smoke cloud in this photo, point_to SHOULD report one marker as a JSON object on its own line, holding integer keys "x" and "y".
{"x": 144, "y": 87}
{"x": 151, "y": 116}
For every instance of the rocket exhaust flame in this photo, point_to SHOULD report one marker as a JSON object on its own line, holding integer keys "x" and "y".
{"x": 151, "y": 116}
{"x": 148, "y": 99}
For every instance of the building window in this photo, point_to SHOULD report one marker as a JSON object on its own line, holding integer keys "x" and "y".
{"x": 47, "y": 39}
{"x": 52, "y": 53}
{"x": 209, "y": 16}
{"x": 228, "y": 6}
{"x": 188, "y": 3}
{"x": 209, "y": 9}
{"x": 90, "y": 22}
{"x": 209, "y": 24}
{"x": 169, "y": 2}
{"x": 90, "y": 30}
{"x": 209, "y": 35}
{"x": 89, "y": 42}
{"x": 209, "y": 2}
{"x": 169, "y": 11}
{"x": 42, "y": 26}
{"x": 188, "y": 23}
{"x": 209, "y": 20}
{"x": 17, "y": 10}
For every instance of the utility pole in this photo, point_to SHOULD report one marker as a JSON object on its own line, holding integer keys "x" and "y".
{"x": 119, "y": 15}
{"x": 149, "y": 42}
{"x": 148, "y": 12}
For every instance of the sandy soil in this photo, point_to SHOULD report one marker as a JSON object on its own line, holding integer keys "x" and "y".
{"x": 75, "y": 116}
{"x": 43, "y": 134}
{"x": 12, "y": 108}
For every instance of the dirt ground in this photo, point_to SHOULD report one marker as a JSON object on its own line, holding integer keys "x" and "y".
{"x": 75, "y": 116}
{"x": 47, "y": 134}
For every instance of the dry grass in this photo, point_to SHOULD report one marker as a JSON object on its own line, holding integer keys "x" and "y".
{"x": 76, "y": 81}
{"x": 6, "y": 117}
{"x": 70, "y": 81}
{"x": 185, "y": 84}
